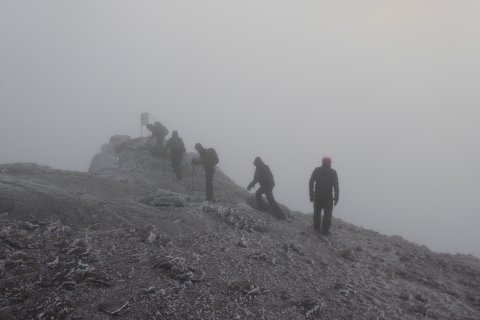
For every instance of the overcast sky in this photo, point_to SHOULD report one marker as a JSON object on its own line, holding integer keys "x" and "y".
{"x": 388, "y": 89}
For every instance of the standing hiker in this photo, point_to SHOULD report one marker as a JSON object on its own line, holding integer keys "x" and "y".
{"x": 326, "y": 181}
{"x": 177, "y": 150}
{"x": 159, "y": 132}
{"x": 209, "y": 159}
{"x": 264, "y": 177}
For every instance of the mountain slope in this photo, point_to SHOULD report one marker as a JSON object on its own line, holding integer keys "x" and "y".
{"x": 127, "y": 239}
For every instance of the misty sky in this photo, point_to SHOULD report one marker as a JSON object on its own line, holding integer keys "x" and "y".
{"x": 388, "y": 89}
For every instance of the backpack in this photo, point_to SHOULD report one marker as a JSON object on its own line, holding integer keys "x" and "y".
{"x": 213, "y": 156}
{"x": 159, "y": 129}
{"x": 269, "y": 176}
{"x": 324, "y": 181}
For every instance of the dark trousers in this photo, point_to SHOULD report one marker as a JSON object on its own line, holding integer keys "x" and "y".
{"x": 327, "y": 206}
{"x": 209, "y": 172}
{"x": 177, "y": 165}
{"x": 271, "y": 200}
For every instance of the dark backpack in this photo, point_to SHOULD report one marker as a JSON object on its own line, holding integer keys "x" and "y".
{"x": 213, "y": 156}
{"x": 159, "y": 129}
{"x": 324, "y": 181}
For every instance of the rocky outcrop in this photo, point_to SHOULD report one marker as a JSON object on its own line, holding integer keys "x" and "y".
{"x": 108, "y": 156}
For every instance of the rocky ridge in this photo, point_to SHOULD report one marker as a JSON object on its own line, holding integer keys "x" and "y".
{"x": 127, "y": 241}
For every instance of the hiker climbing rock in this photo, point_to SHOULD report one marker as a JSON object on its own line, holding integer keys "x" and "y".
{"x": 209, "y": 159}
{"x": 264, "y": 177}
{"x": 325, "y": 180}
{"x": 159, "y": 132}
{"x": 177, "y": 150}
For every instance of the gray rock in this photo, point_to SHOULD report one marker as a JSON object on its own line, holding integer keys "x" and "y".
{"x": 242, "y": 243}
{"x": 348, "y": 254}
{"x": 146, "y": 233}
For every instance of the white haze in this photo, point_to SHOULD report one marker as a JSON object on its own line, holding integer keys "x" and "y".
{"x": 388, "y": 89}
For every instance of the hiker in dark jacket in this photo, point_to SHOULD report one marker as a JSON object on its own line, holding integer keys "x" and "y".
{"x": 325, "y": 180}
{"x": 177, "y": 150}
{"x": 264, "y": 177}
{"x": 159, "y": 132}
{"x": 209, "y": 159}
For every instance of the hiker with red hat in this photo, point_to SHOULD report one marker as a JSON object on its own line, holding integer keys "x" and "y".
{"x": 325, "y": 181}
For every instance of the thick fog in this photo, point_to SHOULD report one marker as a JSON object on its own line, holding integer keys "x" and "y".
{"x": 388, "y": 89}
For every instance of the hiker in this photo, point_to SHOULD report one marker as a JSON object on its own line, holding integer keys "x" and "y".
{"x": 177, "y": 150}
{"x": 264, "y": 177}
{"x": 159, "y": 132}
{"x": 326, "y": 181}
{"x": 208, "y": 158}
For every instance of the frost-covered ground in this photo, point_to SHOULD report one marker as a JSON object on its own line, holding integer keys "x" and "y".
{"x": 128, "y": 241}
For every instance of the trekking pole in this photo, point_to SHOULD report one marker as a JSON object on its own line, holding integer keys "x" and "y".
{"x": 193, "y": 172}
{"x": 197, "y": 182}
{"x": 164, "y": 165}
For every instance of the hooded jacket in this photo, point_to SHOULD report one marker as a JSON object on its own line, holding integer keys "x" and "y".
{"x": 325, "y": 180}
